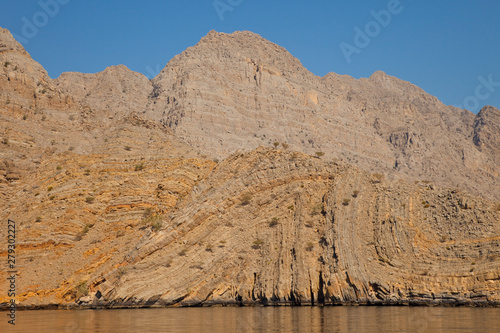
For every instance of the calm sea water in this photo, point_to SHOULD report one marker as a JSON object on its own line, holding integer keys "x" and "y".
{"x": 282, "y": 319}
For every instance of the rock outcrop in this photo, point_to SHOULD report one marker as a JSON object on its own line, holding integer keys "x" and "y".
{"x": 236, "y": 176}
{"x": 275, "y": 227}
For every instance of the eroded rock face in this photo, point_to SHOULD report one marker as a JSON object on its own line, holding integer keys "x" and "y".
{"x": 282, "y": 228}
{"x": 132, "y": 192}
{"x": 116, "y": 90}
{"x": 240, "y": 91}
{"x": 486, "y": 129}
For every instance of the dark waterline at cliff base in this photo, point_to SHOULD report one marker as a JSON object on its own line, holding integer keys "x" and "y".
{"x": 261, "y": 319}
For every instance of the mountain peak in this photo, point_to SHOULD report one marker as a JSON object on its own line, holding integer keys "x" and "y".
{"x": 213, "y": 35}
{"x": 219, "y": 48}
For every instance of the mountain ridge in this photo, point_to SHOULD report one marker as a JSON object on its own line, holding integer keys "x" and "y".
{"x": 237, "y": 177}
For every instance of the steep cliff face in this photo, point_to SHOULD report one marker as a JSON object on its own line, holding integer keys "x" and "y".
{"x": 25, "y": 86}
{"x": 275, "y": 227}
{"x": 486, "y": 129}
{"x": 120, "y": 198}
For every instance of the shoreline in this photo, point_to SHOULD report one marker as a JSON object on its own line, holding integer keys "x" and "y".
{"x": 117, "y": 306}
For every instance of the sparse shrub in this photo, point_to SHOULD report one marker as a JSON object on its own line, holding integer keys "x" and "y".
{"x": 182, "y": 253}
{"x": 38, "y": 219}
{"x": 257, "y": 244}
{"x": 89, "y": 200}
{"x": 346, "y": 201}
{"x": 128, "y": 148}
{"x": 53, "y": 142}
{"x": 52, "y": 197}
{"x": 245, "y": 200}
{"x": 44, "y": 117}
{"x": 216, "y": 160}
{"x": 157, "y": 225}
{"x": 25, "y": 117}
{"x": 276, "y": 144}
{"x": 37, "y": 194}
{"x": 43, "y": 91}
{"x": 50, "y": 188}
{"x": 80, "y": 290}
{"x": 139, "y": 167}
{"x": 291, "y": 207}
{"x": 71, "y": 117}
{"x": 120, "y": 233}
{"x": 317, "y": 209}
{"x": 152, "y": 219}
{"x": 148, "y": 212}
{"x": 87, "y": 172}
{"x": 309, "y": 246}
{"x": 5, "y": 141}
{"x": 284, "y": 145}
{"x": 320, "y": 154}
{"x": 71, "y": 148}
{"x": 377, "y": 178}
{"x": 59, "y": 167}
{"x": 426, "y": 206}
{"x": 355, "y": 194}
{"x": 208, "y": 248}
{"x": 199, "y": 266}
{"x": 6, "y": 64}
{"x": 86, "y": 228}
{"x": 274, "y": 222}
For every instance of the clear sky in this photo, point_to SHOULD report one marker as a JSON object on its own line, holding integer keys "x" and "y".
{"x": 450, "y": 48}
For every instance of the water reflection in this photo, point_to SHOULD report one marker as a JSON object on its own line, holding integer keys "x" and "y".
{"x": 269, "y": 319}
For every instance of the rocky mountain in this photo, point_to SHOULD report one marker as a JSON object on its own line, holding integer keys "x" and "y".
{"x": 236, "y": 176}
{"x": 240, "y": 91}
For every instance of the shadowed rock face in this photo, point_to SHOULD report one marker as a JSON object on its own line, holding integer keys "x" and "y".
{"x": 121, "y": 200}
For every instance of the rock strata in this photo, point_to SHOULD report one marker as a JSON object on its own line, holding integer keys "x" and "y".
{"x": 238, "y": 177}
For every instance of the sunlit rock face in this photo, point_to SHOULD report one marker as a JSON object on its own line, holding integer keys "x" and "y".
{"x": 236, "y": 176}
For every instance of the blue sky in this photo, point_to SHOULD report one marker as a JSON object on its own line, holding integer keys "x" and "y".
{"x": 450, "y": 48}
